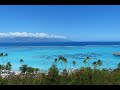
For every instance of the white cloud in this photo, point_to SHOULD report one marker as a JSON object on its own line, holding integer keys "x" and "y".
{"x": 25, "y": 34}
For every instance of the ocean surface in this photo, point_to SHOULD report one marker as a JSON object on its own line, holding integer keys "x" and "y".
{"x": 42, "y": 55}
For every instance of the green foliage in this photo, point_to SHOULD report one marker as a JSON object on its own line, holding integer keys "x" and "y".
{"x": 23, "y": 68}
{"x": 53, "y": 74}
{"x": 65, "y": 73}
{"x": 81, "y": 76}
{"x": 53, "y": 71}
{"x": 21, "y": 61}
{"x": 8, "y": 66}
{"x": 62, "y": 60}
{"x": 56, "y": 60}
{"x": 1, "y": 54}
{"x": 30, "y": 70}
{"x": 74, "y": 63}
{"x": 118, "y": 66}
{"x": 2, "y": 66}
{"x": 99, "y": 62}
{"x": 95, "y": 64}
{"x": 5, "y": 54}
{"x": 86, "y": 60}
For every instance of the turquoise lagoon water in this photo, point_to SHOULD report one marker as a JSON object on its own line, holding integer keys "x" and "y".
{"x": 43, "y": 56}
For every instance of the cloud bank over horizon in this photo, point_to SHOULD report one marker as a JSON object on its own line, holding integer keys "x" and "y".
{"x": 25, "y": 34}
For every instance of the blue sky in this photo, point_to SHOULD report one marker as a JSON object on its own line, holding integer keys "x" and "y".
{"x": 76, "y": 22}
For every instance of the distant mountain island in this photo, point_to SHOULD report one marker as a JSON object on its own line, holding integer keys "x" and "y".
{"x": 32, "y": 39}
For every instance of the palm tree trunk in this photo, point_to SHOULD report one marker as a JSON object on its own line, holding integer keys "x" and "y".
{"x": 3, "y": 60}
{"x": 99, "y": 67}
{"x": 62, "y": 65}
{"x": 65, "y": 65}
{"x": 74, "y": 66}
{"x": 94, "y": 67}
{"x": 7, "y": 59}
{"x": 56, "y": 63}
{"x": 88, "y": 64}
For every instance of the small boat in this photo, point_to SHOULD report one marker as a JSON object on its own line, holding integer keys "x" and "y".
{"x": 116, "y": 53}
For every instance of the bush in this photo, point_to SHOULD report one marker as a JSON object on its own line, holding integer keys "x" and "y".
{"x": 53, "y": 74}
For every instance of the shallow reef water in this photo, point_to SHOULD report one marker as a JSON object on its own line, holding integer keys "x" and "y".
{"x": 43, "y": 57}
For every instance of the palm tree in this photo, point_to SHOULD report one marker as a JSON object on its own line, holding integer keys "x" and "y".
{"x": 74, "y": 63}
{"x": 88, "y": 58}
{"x": 23, "y": 68}
{"x": 65, "y": 61}
{"x": 61, "y": 58}
{"x": 6, "y": 56}
{"x": 56, "y": 61}
{"x": 99, "y": 62}
{"x": 1, "y": 55}
{"x": 30, "y": 70}
{"x": 21, "y": 61}
{"x": 0, "y": 68}
{"x": 95, "y": 65}
{"x": 85, "y": 61}
{"x": 8, "y": 66}
{"x": 118, "y": 66}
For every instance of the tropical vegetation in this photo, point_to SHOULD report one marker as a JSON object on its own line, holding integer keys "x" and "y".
{"x": 85, "y": 75}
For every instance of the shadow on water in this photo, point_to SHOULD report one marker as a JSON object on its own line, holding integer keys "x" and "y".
{"x": 74, "y": 56}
